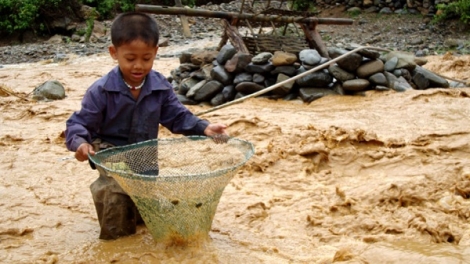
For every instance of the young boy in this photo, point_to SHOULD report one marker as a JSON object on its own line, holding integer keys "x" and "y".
{"x": 124, "y": 107}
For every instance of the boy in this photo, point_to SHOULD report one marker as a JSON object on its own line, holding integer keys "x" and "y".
{"x": 124, "y": 107}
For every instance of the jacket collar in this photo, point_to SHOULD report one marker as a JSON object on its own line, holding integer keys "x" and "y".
{"x": 154, "y": 82}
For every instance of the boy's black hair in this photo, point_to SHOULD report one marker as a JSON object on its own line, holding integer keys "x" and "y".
{"x": 131, "y": 26}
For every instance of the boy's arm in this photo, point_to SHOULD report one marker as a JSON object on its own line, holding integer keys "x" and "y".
{"x": 81, "y": 123}
{"x": 75, "y": 133}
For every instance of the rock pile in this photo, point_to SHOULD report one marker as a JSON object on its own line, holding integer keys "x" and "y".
{"x": 221, "y": 76}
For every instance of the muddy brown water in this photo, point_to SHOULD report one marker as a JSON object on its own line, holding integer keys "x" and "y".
{"x": 380, "y": 178}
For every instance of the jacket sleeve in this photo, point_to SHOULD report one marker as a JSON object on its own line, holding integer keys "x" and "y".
{"x": 83, "y": 124}
{"x": 178, "y": 119}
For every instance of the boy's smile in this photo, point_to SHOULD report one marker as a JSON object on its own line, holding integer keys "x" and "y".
{"x": 135, "y": 60}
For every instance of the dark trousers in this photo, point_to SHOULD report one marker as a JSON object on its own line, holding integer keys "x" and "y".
{"x": 117, "y": 214}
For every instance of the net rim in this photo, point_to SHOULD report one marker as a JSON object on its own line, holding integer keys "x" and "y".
{"x": 134, "y": 175}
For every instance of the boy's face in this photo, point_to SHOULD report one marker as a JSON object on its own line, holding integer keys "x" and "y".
{"x": 135, "y": 60}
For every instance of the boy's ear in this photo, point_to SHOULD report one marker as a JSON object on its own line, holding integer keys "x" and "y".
{"x": 112, "y": 52}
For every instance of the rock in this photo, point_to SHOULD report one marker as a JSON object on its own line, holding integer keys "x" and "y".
{"x": 60, "y": 23}
{"x": 420, "y": 80}
{"x": 204, "y": 57}
{"x": 435, "y": 81}
{"x": 262, "y": 58}
{"x": 382, "y": 88}
{"x": 340, "y": 74}
{"x": 282, "y": 58}
{"x": 186, "y": 101}
{"x": 401, "y": 85}
{"x": 452, "y": 42}
{"x": 368, "y": 53}
{"x": 248, "y": 87}
{"x": 185, "y": 57}
{"x": 225, "y": 54}
{"x": 99, "y": 30}
{"x": 229, "y": 93}
{"x": 50, "y": 90}
{"x": 195, "y": 88}
{"x": 320, "y": 78}
{"x": 208, "y": 90}
{"x": 259, "y": 68}
{"x": 349, "y": 63}
{"x": 385, "y": 10}
{"x": 391, "y": 64}
{"x": 356, "y": 85}
{"x": 218, "y": 73}
{"x": 218, "y": 99}
{"x": 310, "y": 57}
{"x": 391, "y": 79}
{"x": 338, "y": 88}
{"x": 188, "y": 67}
{"x": 379, "y": 79}
{"x": 405, "y": 59}
{"x": 369, "y": 68}
{"x": 284, "y": 89}
{"x": 238, "y": 62}
{"x": 56, "y": 39}
{"x": 186, "y": 84}
{"x": 258, "y": 78}
{"x": 88, "y": 12}
{"x": 287, "y": 70}
{"x": 243, "y": 77}
{"x": 204, "y": 73}
{"x": 310, "y": 94}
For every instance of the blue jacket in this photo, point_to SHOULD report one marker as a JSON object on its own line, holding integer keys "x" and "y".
{"x": 110, "y": 112}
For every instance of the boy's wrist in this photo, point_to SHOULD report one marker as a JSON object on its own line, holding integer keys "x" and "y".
{"x": 78, "y": 142}
{"x": 201, "y": 127}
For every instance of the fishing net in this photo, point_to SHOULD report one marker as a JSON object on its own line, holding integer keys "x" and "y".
{"x": 176, "y": 183}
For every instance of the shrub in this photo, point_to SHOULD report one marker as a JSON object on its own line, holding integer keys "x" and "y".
{"x": 303, "y": 5}
{"x": 459, "y": 9}
{"x": 19, "y": 16}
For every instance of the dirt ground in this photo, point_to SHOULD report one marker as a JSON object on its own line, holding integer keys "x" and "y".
{"x": 380, "y": 178}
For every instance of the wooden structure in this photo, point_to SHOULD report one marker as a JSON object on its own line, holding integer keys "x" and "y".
{"x": 259, "y": 42}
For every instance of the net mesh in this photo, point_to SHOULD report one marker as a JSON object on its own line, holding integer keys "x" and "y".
{"x": 177, "y": 183}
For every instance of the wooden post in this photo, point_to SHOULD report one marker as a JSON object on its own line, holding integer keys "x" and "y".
{"x": 231, "y": 32}
{"x": 314, "y": 39}
{"x": 184, "y": 21}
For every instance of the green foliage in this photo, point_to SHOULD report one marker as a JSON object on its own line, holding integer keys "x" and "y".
{"x": 190, "y": 3}
{"x": 354, "y": 12}
{"x": 18, "y": 16}
{"x": 90, "y": 23}
{"x": 303, "y": 5}
{"x": 458, "y": 9}
{"x": 109, "y": 8}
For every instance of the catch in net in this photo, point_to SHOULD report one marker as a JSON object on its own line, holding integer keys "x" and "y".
{"x": 175, "y": 183}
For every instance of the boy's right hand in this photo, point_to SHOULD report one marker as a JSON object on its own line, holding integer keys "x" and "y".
{"x": 82, "y": 152}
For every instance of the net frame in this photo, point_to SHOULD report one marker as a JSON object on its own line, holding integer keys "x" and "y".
{"x": 175, "y": 207}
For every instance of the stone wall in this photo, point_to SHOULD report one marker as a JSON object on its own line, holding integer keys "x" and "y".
{"x": 217, "y": 77}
